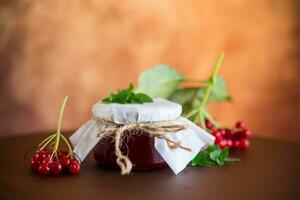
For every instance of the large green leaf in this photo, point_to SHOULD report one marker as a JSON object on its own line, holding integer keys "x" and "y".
{"x": 190, "y": 98}
{"x": 159, "y": 81}
{"x": 219, "y": 92}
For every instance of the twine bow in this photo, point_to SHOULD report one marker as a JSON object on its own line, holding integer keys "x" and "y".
{"x": 158, "y": 130}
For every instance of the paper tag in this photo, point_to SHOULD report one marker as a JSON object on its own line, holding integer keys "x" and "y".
{"x": 193, "y": 137}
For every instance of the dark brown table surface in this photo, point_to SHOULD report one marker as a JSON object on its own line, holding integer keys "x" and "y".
{"x": 269, "y": 170}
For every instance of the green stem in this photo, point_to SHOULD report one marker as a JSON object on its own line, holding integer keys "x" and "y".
{"x": 212, "y": 80}
{"x": 191, "y": 113}
{"x": 61, "y": 114}
{"x": 45, "y": 140}
{"x": 57, "y": 138}
{"x": 210, "y": 118}
{"x": 58, "y": 132}
{"x": 217, "y": 66}
{"x": 67, "y": 143}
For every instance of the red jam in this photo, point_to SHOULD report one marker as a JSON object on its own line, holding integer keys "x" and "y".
{"x": 138, "y": 147}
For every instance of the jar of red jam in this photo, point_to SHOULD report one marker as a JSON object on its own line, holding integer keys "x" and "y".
{"x": 139, "y": 147}
{"x": 146, "y": 133}
{"x": 142, "y": 149}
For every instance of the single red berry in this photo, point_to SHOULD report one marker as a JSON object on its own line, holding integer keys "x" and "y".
{"x": 74, "y": 160}
{"x": 74, "y": 167}
{"x": 209, "y": 125}
{"x": 236, "y": 144}
{"x": 64, "y": 161}
{"x": 46, "y": 151}
{"x": 247, "y": 133}
{"x": 216, "y": 133}
{"x": 42, "y": 155}
{"x": 218, "y": 140}
{"x": 238, "y": 135}
{"x": 222, "y": 131}
{"x": 62, "y": 152}
{"x": 55, "y": 167}
{"x": 218, "y": 136}
{"x": 228, "y": 134}
{"x": 34, "y": 163}
{"x": 244, "y": 144}
{"x": 243, "y": 134}
{"x": 47, "y": 161}
{"x": 38, "y": 156}
{"x": 44, "y": 169}
{"x": 229, "y": 143}
{"x": 223, "y": 144}
{"x": 240, "y": 125}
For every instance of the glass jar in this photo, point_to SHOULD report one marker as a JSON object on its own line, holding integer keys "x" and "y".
{"x": 139, "y": 147}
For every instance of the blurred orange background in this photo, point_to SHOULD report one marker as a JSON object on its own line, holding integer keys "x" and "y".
{"x": 53, "y": 48}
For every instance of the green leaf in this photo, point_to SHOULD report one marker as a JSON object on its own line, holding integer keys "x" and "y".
{"x": 212, "y": 148}
{"x": 136, "y": 100}
{"x": 219, "y": 92}
{"x": 143, "y": 97}
{"x": 190, "y": 98}
{"x": 130, "y": 88}
{"x": 107, "y": 100}
{"x": 220, "y": 162}
{"x": 202, "y": 160}
{"x": 212, "y": 156}
{"x": 224, "y": 154}
{"x": 121, "y": 96}
{"x": 187, "y": 97}
{"x": 130, "y": 96}
{"x": 159, "y": 81}
{"x": 127, "y": 96}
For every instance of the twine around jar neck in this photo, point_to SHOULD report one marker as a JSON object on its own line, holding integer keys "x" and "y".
{"x": 156, "y": 129}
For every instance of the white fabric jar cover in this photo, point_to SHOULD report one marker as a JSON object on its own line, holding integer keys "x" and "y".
{"x": 193, "y": 137}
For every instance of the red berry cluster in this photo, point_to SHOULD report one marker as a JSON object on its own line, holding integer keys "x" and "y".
{"x": 44, "y": 163}
{"x": 236, "y": 138}
{"x": 49, "y": 158}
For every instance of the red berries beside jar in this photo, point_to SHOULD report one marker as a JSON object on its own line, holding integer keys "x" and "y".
{"x": 50, "y": 158}
{"x": 45, "y": 163}
{"x": 234, "y": 138}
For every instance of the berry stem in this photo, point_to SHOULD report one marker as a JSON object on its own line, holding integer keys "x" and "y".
{"x": 67, "y": 143}
{"x": 47, "y": 143}
{"x": 191, "y": 113}
{"x": 47, "y": 139}
{"x": 61, "y": 115}
{"x": 211, "y": 119}
{"x": 58, "y": 132}
{"x": 210, "y": 83}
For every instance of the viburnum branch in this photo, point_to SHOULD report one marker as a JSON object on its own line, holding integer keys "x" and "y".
{"x": 58, "y": 132}
{"x": 61, "y": 114}
{"x": 211, "y": 82}
{"x": 54, "y": 160}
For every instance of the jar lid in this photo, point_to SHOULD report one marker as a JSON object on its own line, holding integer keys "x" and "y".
{"x": 157, "y": 111}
